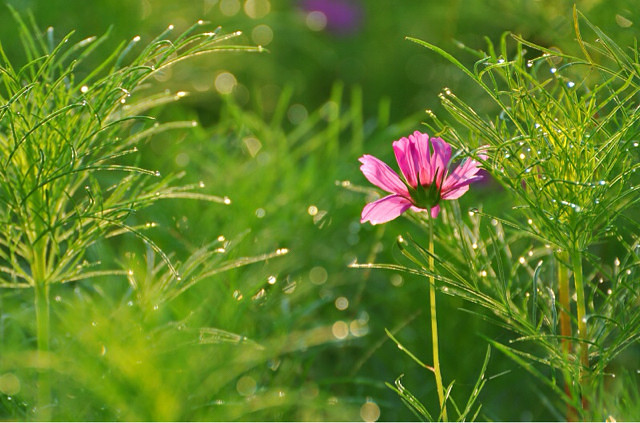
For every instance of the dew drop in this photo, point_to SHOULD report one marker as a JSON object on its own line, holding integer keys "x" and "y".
{"x": 571, "y": 84}
{"x": 260, "y": 294}
{"x": 553, "y": 70}
{"x": 271, "y": 280}
{"x": 84, "y": 89}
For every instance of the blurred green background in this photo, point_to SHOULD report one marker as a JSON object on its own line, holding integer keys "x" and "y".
{"x": 280, "y": 134}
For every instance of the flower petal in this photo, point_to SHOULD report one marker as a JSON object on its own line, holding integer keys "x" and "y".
{"x": 421, "y": 142}
{"x": 381, "y": 175}
{"x": 385, "y": 209}
{"x": 408, "y": 159}
{"x": 463, "y": 175}
{"x": 439, "y": 160}
{"x": 435, "y": 211}
{"x": 455, "y": 193}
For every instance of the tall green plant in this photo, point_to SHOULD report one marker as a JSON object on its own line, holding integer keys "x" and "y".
{"x": 70, "y": 173}
{"x": 564, "y": 145}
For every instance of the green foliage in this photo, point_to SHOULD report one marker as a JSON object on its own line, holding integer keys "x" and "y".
{"x": 251, "y": 333}
{"x": 564, "y": 145}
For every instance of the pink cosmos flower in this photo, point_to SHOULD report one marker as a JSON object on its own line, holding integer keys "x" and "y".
{"x": 424, "y": 164}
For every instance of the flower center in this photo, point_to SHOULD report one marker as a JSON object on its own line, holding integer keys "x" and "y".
{"x": 425, "y": 196}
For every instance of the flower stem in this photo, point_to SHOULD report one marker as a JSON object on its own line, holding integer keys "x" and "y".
{"x": 576, "y": 262}
{"x": 43, "y": 404}
{"x": 434, "y": 326}
{"x": 565, "y": 321}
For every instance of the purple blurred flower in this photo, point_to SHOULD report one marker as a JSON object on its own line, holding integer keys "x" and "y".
{"x": 342, "y": 16}
{"x": 424, "y": 164}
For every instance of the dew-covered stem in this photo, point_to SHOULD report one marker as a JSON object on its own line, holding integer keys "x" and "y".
{"x": 565, "y": 306}
{"x": 434, "y": 326}
{"x": 43, "y": 403}
{"x": 576, "y": 262}
{"x": 565, "y": 319}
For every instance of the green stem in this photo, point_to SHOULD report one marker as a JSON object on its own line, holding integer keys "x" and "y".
{"x": 565, "y": 320}
{"x": 43, "y": 329}
{"x": 576, "y": 262}
{"x": 434, "y": 325}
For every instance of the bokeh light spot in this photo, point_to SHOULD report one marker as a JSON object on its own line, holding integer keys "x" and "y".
{"x": 342, "y": 303}
{"x": 316, "y": 20}
{"x": 182, "y": 159}
{"x": 256, "y": 9}
{"x": 225, "y": 82}
{"x": 253, "y": 145}
{"x": 340, "y": 329}
{"x": 9, "y": 384}
{"x": 229, "y": 7}
{"x": 246, "y": 386}
{"x": 318, "y": 275}
{"x": 297, "y": 113}
{"x": 262, "y": 35}
{"x": 370, "y": 412}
